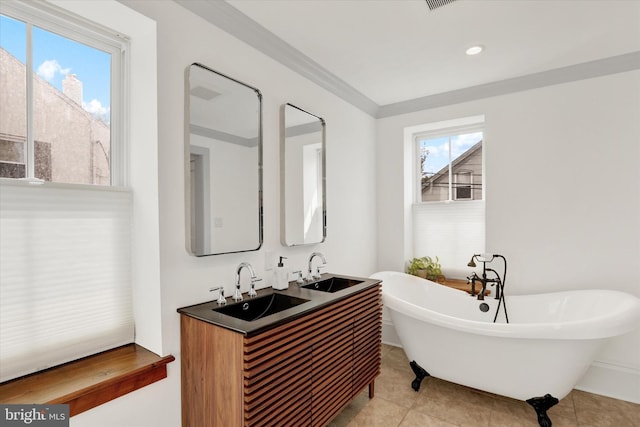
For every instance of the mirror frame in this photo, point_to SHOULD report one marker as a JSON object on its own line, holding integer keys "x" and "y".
{"x": 283, "y": 177}
{"x": 187, "y": 157}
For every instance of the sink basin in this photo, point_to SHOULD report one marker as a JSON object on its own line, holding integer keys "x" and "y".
{"x": 332, "y": 284}
{"x": 257, "y": 308}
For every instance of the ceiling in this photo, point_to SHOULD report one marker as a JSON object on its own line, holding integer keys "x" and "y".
{"x": 394, "y": 56}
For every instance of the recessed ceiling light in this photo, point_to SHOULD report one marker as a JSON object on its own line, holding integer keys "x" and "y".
{"x": 474, "y": 50}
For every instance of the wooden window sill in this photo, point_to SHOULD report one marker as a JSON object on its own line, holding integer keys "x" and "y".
{"x": 86, "y": 383}
{"x": 463, "y": 285}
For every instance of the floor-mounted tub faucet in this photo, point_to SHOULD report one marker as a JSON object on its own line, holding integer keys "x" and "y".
{"x": 237, "y": 296}
{"x": 310, "y": 275}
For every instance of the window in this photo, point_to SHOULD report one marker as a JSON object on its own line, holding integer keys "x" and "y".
{"x": 450, "y": 166}
{"x": 463, "y": 185}
{"x": 448, "y": 213}
{"x": 57, "y": 85}
{"x": 65, "y": 264}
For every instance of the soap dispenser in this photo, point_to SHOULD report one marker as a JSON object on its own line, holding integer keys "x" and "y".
{"x": 282, "y": 276}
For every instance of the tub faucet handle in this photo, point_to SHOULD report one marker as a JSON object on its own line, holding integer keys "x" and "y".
{"x": 472, "y": 280}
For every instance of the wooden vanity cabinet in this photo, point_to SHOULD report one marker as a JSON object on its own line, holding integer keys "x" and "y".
{"x": 299, "y": 373}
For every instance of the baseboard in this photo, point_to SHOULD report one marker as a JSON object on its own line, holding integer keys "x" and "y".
{"x": 607, "y": 379}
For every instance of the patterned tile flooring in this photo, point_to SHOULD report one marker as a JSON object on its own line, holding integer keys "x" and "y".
{"x": 443, "y": 404}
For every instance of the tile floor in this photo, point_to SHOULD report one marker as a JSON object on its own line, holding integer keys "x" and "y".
{"x": 443, "y": 404}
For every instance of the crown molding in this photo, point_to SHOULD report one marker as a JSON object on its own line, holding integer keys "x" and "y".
{"x": 226, "y": 17}
{"x": 586, "y": 70}
{"x": 239, "y": 25}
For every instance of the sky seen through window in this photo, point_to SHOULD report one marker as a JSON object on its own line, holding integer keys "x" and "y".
{"x": 437, "y": 150}
{"x": 55, "y": 56}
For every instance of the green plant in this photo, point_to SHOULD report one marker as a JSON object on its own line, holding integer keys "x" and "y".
{"x": 425, "y": 267}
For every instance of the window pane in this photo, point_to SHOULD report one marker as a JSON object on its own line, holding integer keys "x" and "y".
{"x": 13, "y": 110}
{"x": 72, "y": 86}
{"x": 466, "y": 162}
{"x": 434, "y": 160}
{"x": 463, "y": 154}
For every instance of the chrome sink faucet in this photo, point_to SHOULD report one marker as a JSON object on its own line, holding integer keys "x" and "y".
{"x": 237, "y": 296}
{"x": 310, "y": 275}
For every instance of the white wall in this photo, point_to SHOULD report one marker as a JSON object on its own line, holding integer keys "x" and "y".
{"x": 183, "y": 38}
{"x": 562, "y": 194}
{"x": 531, "y": 126}
{"x": 140, "y": 407}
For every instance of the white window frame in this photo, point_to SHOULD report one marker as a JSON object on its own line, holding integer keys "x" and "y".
{"x": 58, "y": 21}
{"x": 446, "y": 129}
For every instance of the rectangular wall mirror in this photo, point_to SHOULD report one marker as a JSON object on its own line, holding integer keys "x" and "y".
{"x": 223, "y": 160}
{"x": 302, "y": 177}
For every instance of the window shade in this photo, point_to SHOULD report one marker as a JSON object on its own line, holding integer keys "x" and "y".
{"x": 452, "y": 231}
{"x": 65, "y": 286}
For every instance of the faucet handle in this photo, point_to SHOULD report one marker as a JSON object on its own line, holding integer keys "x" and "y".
{"x": 221, "y": 299}
{"x": 299, "y": 280}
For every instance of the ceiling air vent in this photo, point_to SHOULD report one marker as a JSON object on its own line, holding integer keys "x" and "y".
{"x": 204, "y": 93}
{"x": 434, "y": 4}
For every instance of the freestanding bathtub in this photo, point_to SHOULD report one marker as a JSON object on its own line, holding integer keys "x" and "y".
{"x": 548, "y": 344}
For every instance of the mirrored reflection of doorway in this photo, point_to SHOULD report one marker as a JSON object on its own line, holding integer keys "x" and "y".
{"x": 200, "y": 201}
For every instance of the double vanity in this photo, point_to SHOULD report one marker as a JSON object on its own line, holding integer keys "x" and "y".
{"x": 291, "y": 357}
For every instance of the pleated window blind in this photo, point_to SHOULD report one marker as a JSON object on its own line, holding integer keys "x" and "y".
{"x": 452, "y": 231}
{"x": 65, "y": 274}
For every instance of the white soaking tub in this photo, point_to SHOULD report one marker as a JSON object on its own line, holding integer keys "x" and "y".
{"x": 549, "y": 343}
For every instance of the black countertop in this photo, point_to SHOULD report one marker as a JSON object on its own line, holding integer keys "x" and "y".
{"x": 317, "y": 299}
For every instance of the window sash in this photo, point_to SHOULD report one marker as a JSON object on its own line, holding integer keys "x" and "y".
{"x": 439, "y": 133}
{"x": 57, "y": 20}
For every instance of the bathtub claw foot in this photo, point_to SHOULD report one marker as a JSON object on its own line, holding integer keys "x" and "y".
{"x": 541, "y": 405}
{"x": 420, "y": 375}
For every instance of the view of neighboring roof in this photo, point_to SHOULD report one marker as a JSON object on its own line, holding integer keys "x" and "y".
{"x": 460, "y": 159}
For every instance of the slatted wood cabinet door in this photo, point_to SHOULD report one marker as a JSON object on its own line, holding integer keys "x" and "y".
{"x": 300, "y": 373}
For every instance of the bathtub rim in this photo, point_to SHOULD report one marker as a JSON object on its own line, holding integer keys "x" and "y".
{"x": 604, "y": 326}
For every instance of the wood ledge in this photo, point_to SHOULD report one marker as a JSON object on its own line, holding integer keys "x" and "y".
{"x": 86, "y": 383}
{"x": 463, "y": 285}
